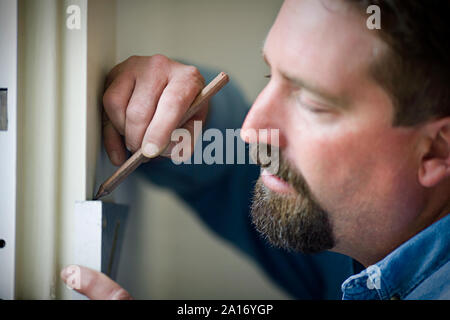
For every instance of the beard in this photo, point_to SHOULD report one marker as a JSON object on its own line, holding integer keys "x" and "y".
{"x": 295, "y": 222}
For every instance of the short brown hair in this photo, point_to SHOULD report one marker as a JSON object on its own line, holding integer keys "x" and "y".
{"x": 416, "y": 69}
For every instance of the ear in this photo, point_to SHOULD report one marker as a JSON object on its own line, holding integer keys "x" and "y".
{"x": 435, "y": 162}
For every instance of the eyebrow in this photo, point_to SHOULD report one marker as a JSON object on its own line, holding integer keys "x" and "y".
{"x": 313, "y": 88}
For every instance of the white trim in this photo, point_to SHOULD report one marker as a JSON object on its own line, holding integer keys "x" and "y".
{"x": 8, "y": 146}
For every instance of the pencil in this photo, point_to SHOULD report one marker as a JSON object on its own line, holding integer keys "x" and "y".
{"x": 138, "y": 157}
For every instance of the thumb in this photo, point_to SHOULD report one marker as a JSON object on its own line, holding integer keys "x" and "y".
{"x": 93, "y": 284}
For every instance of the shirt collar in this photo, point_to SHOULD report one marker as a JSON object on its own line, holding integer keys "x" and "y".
{"x": 403, "y": 269}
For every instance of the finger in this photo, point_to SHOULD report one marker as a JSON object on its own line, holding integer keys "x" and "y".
{"x": 173, "y": 104}
{"x": 141, "y": 108}
{"x": 113, "y": 142}
{"x": 93, "y": 284}
{"x": 187, "y": 147}
{"x": 116, "y": 98}
{"x": 128, "y": 63}
{"x": 113, "y": 74}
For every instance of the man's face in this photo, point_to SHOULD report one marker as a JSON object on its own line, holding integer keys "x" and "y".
{"x": 335, "y": 131}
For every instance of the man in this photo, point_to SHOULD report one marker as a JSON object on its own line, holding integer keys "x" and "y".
{"x": 364, "y": 138}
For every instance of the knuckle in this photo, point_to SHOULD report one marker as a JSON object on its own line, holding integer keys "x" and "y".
{"x": 133, "y": 59}
{"x": 136, "y": 114}
{"x": 112, "y": 101}
{"x": 175, "y": 102}
{"x": 159, "y": 60}
{"x": 193, "y": 73}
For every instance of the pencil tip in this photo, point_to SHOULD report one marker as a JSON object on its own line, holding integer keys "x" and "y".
{"x": 100, "y": 193}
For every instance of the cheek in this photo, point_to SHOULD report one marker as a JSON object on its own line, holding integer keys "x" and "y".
{"x": 328, "y": 163}
{"x": 351, "y": 167}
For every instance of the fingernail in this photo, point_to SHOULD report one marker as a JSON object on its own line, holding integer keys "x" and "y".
{"x": 114, "y": 157}
{"x": 66, "y": 272}
{"x": 150, "y": 150}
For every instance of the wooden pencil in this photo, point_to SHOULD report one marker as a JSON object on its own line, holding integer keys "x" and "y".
{"x": 138, "y": 157}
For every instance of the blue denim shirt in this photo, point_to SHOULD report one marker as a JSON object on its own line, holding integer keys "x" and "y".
{"x": 418, "y": 269}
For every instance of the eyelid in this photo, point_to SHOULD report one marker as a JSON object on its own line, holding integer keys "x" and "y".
{"x": 313, "y": 105}
{"x": 313, "y": 108}
{"x": 312, "y": 97}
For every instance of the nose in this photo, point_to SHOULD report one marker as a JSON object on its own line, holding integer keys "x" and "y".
{"x": 264, "y": 121}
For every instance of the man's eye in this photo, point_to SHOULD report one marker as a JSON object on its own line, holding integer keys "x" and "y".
{"x": 311, "y": 103}
{"x": 312, "y": 107}
{"x": 268, "y": 76}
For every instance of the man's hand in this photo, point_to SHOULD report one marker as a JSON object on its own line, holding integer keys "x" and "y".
{"x": 145, "y": 99}
{"x": 93, "y": 284}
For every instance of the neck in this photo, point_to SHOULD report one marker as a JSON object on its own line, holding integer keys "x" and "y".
{"x": 435, "y": 208}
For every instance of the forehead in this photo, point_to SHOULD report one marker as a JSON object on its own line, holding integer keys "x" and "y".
{"x": 325, "y": 41}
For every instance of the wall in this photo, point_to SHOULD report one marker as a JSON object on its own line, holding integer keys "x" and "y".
{"x": 224, "y": 34}
{"x": 168, "y": 253}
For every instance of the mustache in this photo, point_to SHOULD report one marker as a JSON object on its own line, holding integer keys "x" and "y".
{"x": 272, "y": 159}
{"x": 266, "y": 156}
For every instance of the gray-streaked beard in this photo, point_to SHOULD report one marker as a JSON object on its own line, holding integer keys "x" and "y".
{"x": 291, "y": 221}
